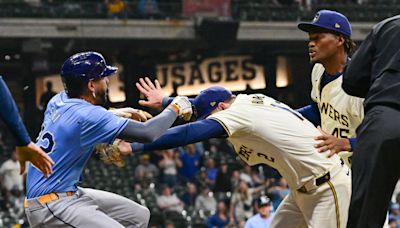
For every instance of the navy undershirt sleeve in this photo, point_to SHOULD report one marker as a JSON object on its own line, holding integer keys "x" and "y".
{"x": 167, "y": 100}
{"x": 311, "y": 113}
{"x": 10, "y": 115}
{"x": 183, "y": 135}
{"x": 353, "y": 143}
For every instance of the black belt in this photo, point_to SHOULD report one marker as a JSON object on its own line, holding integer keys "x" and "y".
{"x": 319, "y": 181}
{"x": 325, "y": 178}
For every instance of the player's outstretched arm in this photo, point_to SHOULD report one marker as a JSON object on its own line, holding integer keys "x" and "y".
{"x": 26, "y": 149}
{"x": 330, "y": 142}
{"x": 180, "y": 136}
{"x": 148, "y": 131}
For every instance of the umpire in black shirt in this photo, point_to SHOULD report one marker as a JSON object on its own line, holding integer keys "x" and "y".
{"x": 374, "y": 73}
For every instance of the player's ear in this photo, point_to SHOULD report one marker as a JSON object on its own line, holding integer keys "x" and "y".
{"x": 91, "y": 86}
{"x": 223, "y": 105}
{"x": 341, "y": 40}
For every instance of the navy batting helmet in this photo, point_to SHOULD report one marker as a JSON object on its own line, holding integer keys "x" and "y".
{"x": 86, "y": 65}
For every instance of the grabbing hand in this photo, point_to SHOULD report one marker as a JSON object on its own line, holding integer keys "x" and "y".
{"x": 153, "y": 93}
{"x": 330, "y": 142}
{"x": 124, "y": 148}
{"x": 110, "y": 153}
{"x": 182, "y": 107}
{"x": 132, "y": 113}
{"x": 36, "y": 156}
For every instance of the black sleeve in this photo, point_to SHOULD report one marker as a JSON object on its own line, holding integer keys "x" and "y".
{"x": 167, "y": 100}
{"x": 148, "y": 131}
{"x": 357, "y": 74}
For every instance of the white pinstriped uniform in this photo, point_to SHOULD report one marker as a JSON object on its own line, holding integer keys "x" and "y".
{"x": 340, "y": 113}
{"x": 263, "y": 130}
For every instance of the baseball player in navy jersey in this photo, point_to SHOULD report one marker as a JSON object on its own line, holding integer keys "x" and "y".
{"x": 338, "y": 113}
{"x": 73, "y": 124}
{"x": 265, "y": 131}
{"x": 26, "y": 149}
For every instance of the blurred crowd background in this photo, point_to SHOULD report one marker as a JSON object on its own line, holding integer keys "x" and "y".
{"x": 199, "y": 185}
{"x": 261, "y": 10}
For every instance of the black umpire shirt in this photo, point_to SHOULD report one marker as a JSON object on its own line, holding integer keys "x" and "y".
{"x": 374, "y": 71}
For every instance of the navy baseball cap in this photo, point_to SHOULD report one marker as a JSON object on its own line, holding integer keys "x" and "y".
{"x": 87, "y": 65}
{"x": 327, "y": 20}
{"x": 208, "y": 100}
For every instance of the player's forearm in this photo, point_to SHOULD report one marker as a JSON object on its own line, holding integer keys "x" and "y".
{"x": 183, "y": 135}
{"x": 10, "y": 115}
{"x": 148, "y": 131}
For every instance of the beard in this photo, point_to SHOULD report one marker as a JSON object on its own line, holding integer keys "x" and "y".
{"x": 102, "y": 97}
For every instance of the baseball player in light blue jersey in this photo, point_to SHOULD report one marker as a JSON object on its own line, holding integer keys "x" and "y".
{"x": 73, "y": 124}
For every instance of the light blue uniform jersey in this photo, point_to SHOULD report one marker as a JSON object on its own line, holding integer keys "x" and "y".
{"x": 70, "y": 131}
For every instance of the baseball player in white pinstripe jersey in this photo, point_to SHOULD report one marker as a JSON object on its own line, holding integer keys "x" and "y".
{"x": 265, "y": 131}
{"x": 338, "y": 113}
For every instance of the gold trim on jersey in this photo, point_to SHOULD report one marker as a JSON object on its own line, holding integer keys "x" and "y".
{"x": 222, "y": 124}
{"x": 336, "y": 203}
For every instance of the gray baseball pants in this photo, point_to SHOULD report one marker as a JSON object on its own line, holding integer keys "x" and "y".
{"x": 87, "y": 208}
